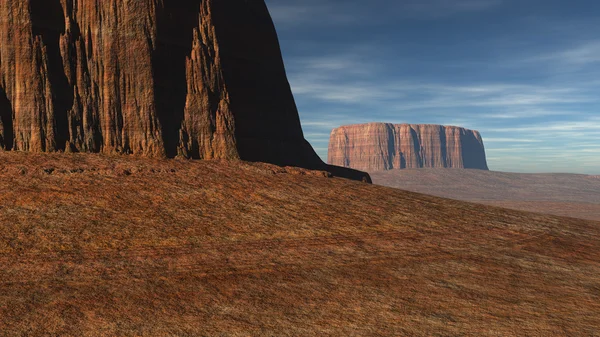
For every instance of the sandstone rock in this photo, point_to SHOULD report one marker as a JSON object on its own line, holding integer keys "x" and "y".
{"x": 194, "y": 78}
{"x": 381, "y": 146}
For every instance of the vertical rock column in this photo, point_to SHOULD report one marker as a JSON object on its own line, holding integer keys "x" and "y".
{"x": 141, "y": 77}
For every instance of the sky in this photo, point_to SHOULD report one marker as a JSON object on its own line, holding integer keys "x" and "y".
{"x": 524, "y": 73}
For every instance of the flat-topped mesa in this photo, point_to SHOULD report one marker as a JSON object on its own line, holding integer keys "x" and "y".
{"x": 194, "y": 78}
{"x": 382, "y": 146}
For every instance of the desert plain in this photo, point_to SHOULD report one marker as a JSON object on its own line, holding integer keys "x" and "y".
{"x": 564, "y": 194}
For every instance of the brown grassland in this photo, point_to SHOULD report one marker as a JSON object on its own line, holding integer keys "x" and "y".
{"x": 123, "y": 246}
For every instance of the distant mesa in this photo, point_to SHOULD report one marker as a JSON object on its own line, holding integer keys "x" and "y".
{"x": 199, "y": 79}
{"x": 383, "y": 146}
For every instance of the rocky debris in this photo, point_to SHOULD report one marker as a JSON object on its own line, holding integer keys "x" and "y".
{"x": 57, "y": 164}
{"x": 200, "y": 79}
{"x": 383, "y": 146}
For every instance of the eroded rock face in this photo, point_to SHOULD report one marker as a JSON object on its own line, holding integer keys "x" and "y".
{"x": 197, "y": 78}
{"x": 382, "y": 146}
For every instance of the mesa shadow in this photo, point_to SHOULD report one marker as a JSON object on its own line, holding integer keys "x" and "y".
{"x": 48, "y": 22}
{"x": 6, "y": 122}
{"x": 175, "y": 29}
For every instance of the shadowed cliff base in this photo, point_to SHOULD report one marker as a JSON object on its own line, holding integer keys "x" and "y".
{"x": 129, "y": 246}
{"x": 292, "y": 153}
{"x": 344, "y": 172}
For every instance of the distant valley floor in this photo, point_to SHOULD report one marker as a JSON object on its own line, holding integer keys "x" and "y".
{"x": 573, "y": 195}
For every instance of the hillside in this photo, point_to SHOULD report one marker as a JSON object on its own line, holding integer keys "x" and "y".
{"x": 104, "y": 246}
{"x": 574, "y": 195}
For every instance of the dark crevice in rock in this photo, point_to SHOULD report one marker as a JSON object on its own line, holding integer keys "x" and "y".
{"x": 48, "y": 22}
{"x": 443, "y": 147}
{"x": 417, "y": 146}
{"x": 175, "y": 28}
{"x": 402, "y": 161}
{"x": 391, "y": 150}
{"x": 6, "y": 120}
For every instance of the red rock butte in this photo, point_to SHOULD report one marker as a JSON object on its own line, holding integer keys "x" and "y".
{"x": 201, "y": 79}
{"x": 382, "y": 146}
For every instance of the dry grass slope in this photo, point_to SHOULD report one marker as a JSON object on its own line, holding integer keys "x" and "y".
{"x": 119, "y": 246}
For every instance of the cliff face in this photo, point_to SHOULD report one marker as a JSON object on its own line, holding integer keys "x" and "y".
{"x": 197, "y": 78}
{"x": 380, "y": 146}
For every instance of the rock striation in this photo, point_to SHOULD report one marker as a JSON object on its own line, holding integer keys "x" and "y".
{"x": 199, "y": 79}
{"x": 383, "y": 146}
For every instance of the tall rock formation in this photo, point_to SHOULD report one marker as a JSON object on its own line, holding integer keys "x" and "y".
{"x": 195, "y": 78}
{"x": 381, "y": 146}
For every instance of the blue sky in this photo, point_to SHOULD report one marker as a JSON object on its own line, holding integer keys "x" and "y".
{"x": 525, "y": 73}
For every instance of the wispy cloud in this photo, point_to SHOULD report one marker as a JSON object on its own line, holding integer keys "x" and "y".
{"x": 330, "y": 12}
{"x": 293, "y": 12}
{"x": 587, "y": 124}
{"x": 331, "y": 82}
{"x": 583, "y": 54}
{"x": 442, "y": 8}
{"x": 511, "y": 140}
{"x": 521, "y": 113}
{"x": 288, "y": 13}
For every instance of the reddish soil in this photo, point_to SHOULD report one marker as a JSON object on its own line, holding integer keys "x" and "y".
{"x": 121, "y": 246}
{"x": 573, "y": 195}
